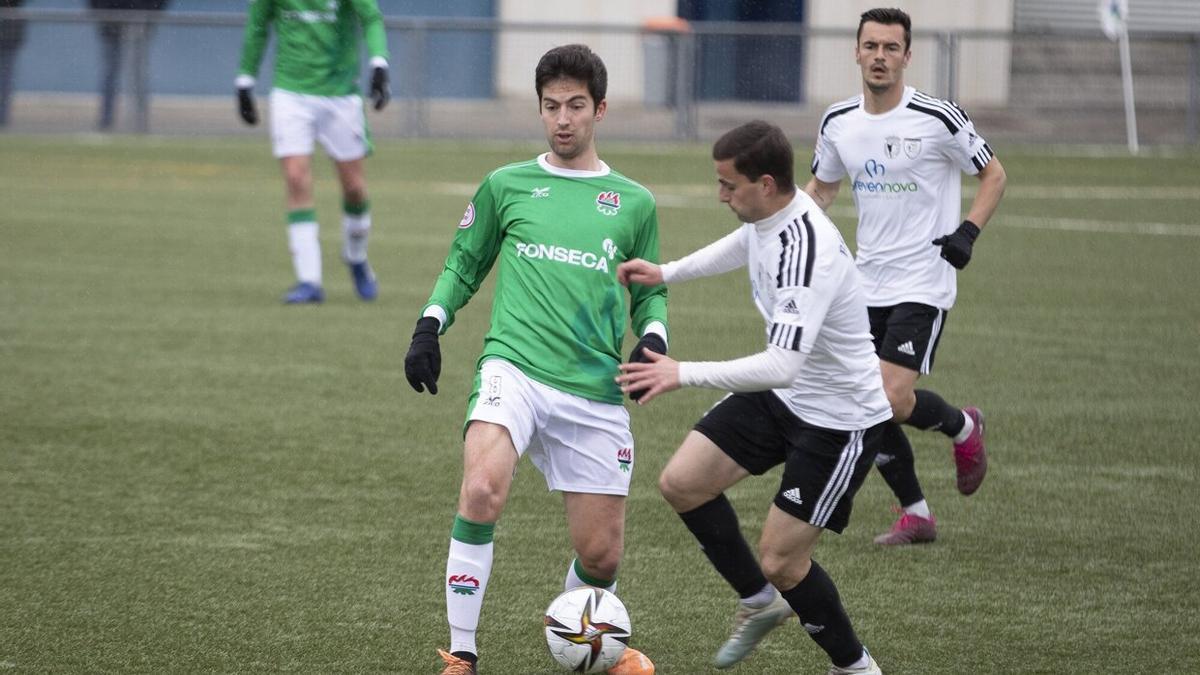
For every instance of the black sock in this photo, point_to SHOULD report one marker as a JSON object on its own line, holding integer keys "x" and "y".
{"x": 466, "y": 656}
{"x": 932, "y": 413}
{"x": 897, "y": 466}
{"x": 715, "y": 526}
{"x": 815, "y": 600}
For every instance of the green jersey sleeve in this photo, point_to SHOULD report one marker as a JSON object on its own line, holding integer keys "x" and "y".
{"x": 647, "y": 303}
{"x": 374, "y": 31}
{"x": 254, "y": 38}
{"x": 472, "y": 254}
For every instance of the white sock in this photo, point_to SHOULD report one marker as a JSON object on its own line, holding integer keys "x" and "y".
{"x": 761, "y": 599}
{"x": 920, "y": 508}
{"x": 467, "y": 570}
{"x": 966, "y": 430}
{"x": 306, "y": 251}
{"x": 355, "y": 230}
{"x": 573, "y": 579}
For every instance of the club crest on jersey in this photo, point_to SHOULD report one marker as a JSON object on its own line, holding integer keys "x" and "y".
{"x": 912, "y": 147}
{"x": 608, "y": 203}
{"x": 891, "y": 147}
{"x": 463, "y": 584}
{"x": 624, "y": 458}
{"x": 468, "y": 218}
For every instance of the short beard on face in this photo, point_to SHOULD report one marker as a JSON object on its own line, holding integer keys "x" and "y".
{"x": 877, "y": 88}
{"x": 570, "y": 151}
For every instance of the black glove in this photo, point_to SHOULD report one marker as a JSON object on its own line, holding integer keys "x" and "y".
{"x": 423, "y": 363}
{"x": 380, "y": 93}
{"x": 956, "y": 246}
{"x": 246, "y": 106}
{"x": 652, "y": 342}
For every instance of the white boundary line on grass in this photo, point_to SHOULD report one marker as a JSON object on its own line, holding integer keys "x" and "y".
{"x": 694, "y": 196}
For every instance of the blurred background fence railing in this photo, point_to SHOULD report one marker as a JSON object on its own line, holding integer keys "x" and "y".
{"x": 471, "y": 77}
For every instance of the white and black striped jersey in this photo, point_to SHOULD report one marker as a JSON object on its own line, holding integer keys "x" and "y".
{"x": 904, "y": 172}
{"x": 808, "y": 291}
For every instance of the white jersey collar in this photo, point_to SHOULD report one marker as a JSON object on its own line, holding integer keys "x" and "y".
{"x": 544, "y": 162}
{"x": 782, "y": 215}
{"x": 904, "y": 99}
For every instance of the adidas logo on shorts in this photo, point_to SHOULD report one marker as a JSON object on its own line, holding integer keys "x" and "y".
{"x": 793, "y": 495}
{"x": 907, "y": 348}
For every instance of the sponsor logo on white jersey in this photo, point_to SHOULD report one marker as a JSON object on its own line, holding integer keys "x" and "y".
{"x": 793, "y": 495}
{"x": 907, "y": 348}
{"x": 875, "y": 183}
{"x": 570, "y": 256}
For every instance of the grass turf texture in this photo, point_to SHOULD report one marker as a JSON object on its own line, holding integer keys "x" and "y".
{"x": 196, "y": 478}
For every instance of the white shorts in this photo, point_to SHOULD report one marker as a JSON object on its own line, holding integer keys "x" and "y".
{"x": 578, "y": 444}
{"x": 339, "y": 123}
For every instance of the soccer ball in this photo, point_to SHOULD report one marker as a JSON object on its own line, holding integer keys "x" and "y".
{"x": 587, "y": 629}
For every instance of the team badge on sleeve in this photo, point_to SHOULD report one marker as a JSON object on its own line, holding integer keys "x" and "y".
{"x": 468, "y": 218}
{"x": 608, "y": 203}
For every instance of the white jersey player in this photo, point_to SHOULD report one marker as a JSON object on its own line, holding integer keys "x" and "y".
{"x": 812, "y": 401}
{"x": 902, "y": 153}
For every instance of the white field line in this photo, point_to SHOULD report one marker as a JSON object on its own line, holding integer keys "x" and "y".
{"x": 1089, "y": 192}
{"x": 700, "y": 196}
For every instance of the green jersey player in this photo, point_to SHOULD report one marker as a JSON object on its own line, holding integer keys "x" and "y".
{"x": 315, "y": 97}
{"x": 558, "y": 226}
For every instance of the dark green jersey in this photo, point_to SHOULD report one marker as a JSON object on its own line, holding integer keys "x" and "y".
{"x": 317, "y": 42}
{"x": 559, "y": 313}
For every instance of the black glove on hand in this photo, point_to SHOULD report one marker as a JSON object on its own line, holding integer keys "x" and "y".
{"x": 380, "y": 93}
{"x": 246, "y": 106}
{"x": 956, "y": 246}
{"x": 652, "y": 342}
{"x": 423, "y": 363}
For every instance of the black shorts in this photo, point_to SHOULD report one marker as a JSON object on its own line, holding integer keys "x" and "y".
{"x": 822, "y": 468}
{"x": 907, "y": 334}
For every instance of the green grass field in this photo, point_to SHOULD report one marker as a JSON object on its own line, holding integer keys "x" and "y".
{"x": 196, "y": 478}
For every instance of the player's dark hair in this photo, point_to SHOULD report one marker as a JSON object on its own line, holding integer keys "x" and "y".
{"x": 888, "y": 17}
{"x": 577, "y": 62}
{"x": 758, "y": 148}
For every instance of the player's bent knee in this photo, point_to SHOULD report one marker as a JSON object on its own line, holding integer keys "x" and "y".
{"x": 676, "y": 492}
{"x": 483, "y": 499}
{"x": 902, "y": 400}
{"x": 601, "y": 562}
{"x": 355, "y": 194}
{"x": 782, "y": 570}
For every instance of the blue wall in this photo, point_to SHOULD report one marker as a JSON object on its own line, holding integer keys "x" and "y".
{"x": 758, "y": 68}
{"x": 202, "y": 60}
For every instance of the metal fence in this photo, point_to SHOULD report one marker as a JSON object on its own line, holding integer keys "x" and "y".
{"x": 464, "y": 77}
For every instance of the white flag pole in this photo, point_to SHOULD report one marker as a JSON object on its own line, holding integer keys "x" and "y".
{"x": 1114, "y": 20}
{"x": 1131, "y": 134}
